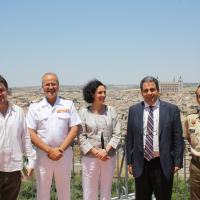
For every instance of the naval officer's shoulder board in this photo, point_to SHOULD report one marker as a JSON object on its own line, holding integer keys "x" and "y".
{"x": 37, "y": 100}
{"x": 63, "y": 98}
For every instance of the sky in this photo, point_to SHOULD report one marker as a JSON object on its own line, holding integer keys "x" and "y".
{"x": 115, "y": 41}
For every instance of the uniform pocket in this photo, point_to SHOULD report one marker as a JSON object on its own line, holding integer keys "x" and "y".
{"x": 63, "y": 119}
{"x": 41, "y": 121}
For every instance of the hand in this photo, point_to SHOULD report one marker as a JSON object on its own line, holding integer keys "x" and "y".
{"x": 130, "y": 169}
{"x": 30, "y": 171}
{"x": 105, "y": 158}
{"x": 175, "y": 169}
{"x": 55, "y": 153}
{"x": 101, "y": 153}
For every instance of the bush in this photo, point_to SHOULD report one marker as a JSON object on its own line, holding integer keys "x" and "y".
{"x": 181, "y": 188}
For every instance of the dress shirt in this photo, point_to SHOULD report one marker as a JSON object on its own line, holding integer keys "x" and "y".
{"x": 156, "y": 112}
{"x": 52, "y": 123}
{"x": 92, "y": 128}
{"x": 14, "y": 134}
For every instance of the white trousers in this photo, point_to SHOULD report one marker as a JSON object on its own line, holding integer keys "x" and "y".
{"x": 44, "y": 170}
{"x": 93, "y": 171}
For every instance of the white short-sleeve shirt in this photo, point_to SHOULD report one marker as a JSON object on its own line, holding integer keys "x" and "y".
{"x": 52, "y": 123}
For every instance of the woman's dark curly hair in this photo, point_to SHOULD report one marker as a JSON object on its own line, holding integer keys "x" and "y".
{"x": 90, "y": 88}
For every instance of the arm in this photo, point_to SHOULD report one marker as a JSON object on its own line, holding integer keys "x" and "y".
{"x": 177, "y": 141}
{"x": 53, "y": 153}
{"x": 129, "y": 138}
{"x": 70, "y": 138}
{"x": 185, "y": 130}
{"x": 82, "y": 136}
{"x": 130, "y": 142}
{"x": 27, "y": 147}
{"x": 115, "y": 138}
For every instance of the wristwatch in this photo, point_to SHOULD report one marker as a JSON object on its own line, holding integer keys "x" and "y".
{"x": 106, "y": 150}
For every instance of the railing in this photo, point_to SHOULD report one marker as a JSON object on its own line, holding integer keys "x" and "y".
{"x": 123, "y": 181}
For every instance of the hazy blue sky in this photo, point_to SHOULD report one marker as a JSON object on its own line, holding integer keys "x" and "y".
{"x": 115, "y": 41}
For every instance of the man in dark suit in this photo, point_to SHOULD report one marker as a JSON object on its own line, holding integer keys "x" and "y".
{"x": 154, "y": 143}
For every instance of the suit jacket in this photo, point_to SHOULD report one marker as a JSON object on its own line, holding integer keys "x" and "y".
{"x": 170, "y": 138}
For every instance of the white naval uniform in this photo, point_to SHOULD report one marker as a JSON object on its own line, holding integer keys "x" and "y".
{"x": 52, "y": 126}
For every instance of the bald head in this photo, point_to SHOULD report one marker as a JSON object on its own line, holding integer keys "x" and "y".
{"x": 49, "y": 74}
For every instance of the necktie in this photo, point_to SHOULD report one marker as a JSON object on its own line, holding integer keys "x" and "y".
{"x": 148, "y": 153}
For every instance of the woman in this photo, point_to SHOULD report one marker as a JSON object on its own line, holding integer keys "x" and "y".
{"x": 99, "y": 136}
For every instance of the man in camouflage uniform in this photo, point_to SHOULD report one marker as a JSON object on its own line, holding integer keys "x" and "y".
{"x": 192, "y": 133}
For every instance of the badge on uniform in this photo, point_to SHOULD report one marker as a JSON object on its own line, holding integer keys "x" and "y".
{"x": 63, "y": 111}
{"x": 193, "y": 122}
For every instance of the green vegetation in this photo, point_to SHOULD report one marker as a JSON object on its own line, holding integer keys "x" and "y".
{"x": 75, "y": 142}
{"x": 181, "y": 188}
{"x": 131, "y": 187}
{"x": 27, "y": 188}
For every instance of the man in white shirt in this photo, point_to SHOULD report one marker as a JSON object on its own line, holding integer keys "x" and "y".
{"x": 53, "y": 126}
{"x": 154, "y": 143}
{"x": 14, "y": 135}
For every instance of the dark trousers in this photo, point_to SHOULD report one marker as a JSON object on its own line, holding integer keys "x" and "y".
{"x": 153, "y": 180}
{"x": 10, "y": 183}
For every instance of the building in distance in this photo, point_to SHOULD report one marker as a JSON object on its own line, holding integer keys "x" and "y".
{"x": 171, "y": 87}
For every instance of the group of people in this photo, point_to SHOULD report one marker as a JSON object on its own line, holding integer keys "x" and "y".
{"x": 52, "y": 124}
{"x": 154, "y": 142}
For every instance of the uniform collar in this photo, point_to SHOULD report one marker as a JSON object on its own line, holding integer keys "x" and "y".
{"x": 156, "y": 104}
{"x": 46, "y": 103}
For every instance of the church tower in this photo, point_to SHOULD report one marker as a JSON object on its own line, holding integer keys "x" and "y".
{"x": 180, "y": 87}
